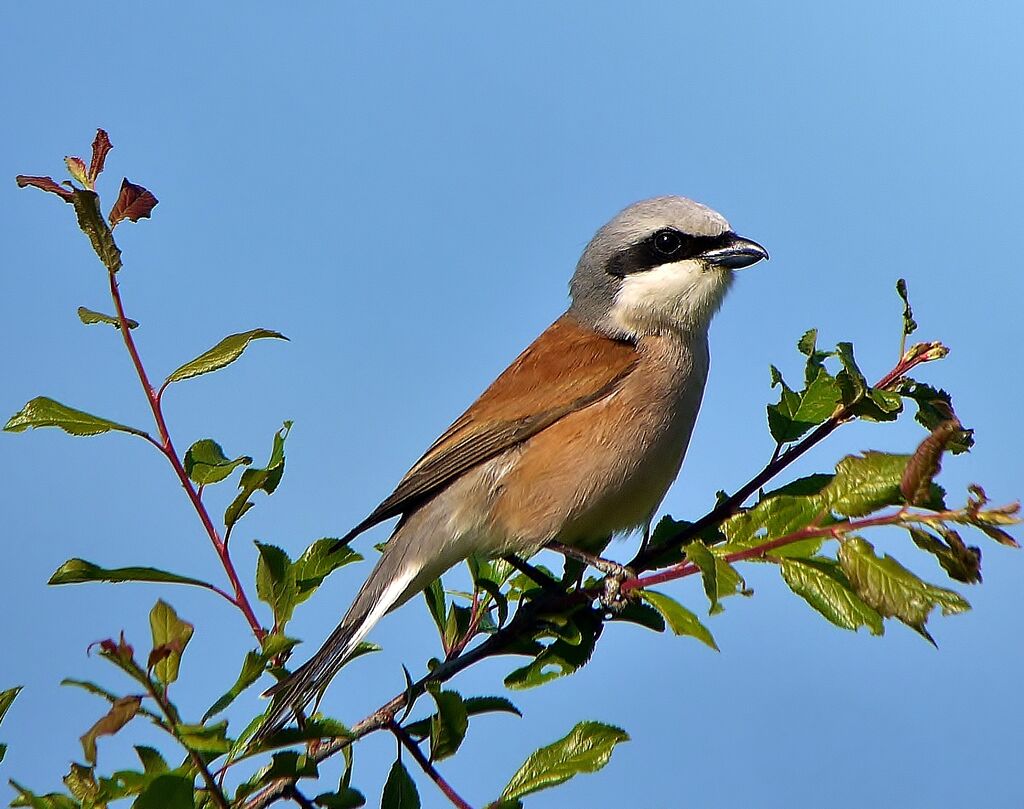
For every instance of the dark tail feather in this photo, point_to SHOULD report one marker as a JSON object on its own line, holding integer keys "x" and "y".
{"x": 381, "y": 591}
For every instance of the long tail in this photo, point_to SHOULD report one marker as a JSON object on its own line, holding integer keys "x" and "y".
{"x": 387, "y": 587}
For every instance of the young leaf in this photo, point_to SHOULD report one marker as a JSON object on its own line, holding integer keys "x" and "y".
{"x": 252, "y": 667}
{"x": 167, "y": 791}
{"x": 796, "y": 413}
{"x": 205, "y": 738}
{"x": 133, "y": 203}
{"x": 101, "y": 147}
{"x": 891, "y": 589}
{"x": 91, "y": 223}
{"x": 317, "y": 562}
{"x": 399, "y": 790}
{"x": 448, "y": 726}
{"x": 120, "y": 714}
{"x": 587, "y": 748}
{"x": 88, "y": 316}
{"x": 81, "y": 782}
{"x": 679, "y": 619}
{"x": 224, "y": 353}
{"x": 275, "y": 582}
{"x": 206, "y": 463}
{"x": 909, "y": 324}
{"x": 961, "y": 562}
{"x": 253, "y": 480}
{"x": 52, "y": 800}
{"x": 170, "y": 637}
{"x": 78, "y": 571}
{"x": 719, "y": 577}
{"x": 79, "y": 173}
{"x": 434, "y": 596}
{"x": 935, "y": 406}
{"x": 821, "y": 583}
{"x": 45, "y": 412}
{"x": 926, "y": 463}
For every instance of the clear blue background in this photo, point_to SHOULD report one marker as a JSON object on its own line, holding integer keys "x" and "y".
{"x": 404, "y": 190}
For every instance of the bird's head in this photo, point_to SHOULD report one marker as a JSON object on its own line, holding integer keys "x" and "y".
{"x": 661, "y": 265}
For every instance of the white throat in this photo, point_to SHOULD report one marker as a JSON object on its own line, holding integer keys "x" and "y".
{"x": 681, "y": 297}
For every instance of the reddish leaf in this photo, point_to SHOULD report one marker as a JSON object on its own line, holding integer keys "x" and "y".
{"x": 100, "y": 146}
{"x": 926, "y": 462}
{"x": 45, "y": 184}
{"x": 120, "y": 649}
{"x": 134, "y": 203}
{"x": 77, "y": 168}
{"x": 120, "y": 714}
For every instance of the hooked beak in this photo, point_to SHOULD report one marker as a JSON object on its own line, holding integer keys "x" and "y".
{"x": 735, "y": 253}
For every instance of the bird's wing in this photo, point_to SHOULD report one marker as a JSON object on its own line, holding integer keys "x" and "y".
{"x": 567, "y": 368}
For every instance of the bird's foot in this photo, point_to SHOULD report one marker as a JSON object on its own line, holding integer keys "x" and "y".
{"x": 612, "y": 596}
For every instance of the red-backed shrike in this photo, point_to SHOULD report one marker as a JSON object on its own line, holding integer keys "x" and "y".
{"x": 578, "y": 440}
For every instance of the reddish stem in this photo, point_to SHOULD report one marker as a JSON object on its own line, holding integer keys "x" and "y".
{"x": 425, "y": 764}
{"x": 166, "y": 446}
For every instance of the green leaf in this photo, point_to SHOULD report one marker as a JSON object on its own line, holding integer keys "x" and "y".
{"x": 45, "y": 412}
{"x": 821, "y": 583}
{"x": 796, "y": 413}
{"x": 679, "y": 619}
{"x": 719, "y": 577}
{"x": 206, "y": 463}
{"x": 170, "y": 637}
{"x": 290, "y": 764}
{"x": 79, "y": 571}
{"x": 7, "y": 697}
{"x": 253, "y": 480}
{"x": 868, "y": 482}
{"x": 167, "y": 791}
{"x": 935, "y": 406}
{"x": 52, "y": 800}
{"x": 120, "y": 714}
{"x": 587, "y": 748}
{"x": 224, "y": 353}
{"x": 561, "y": 657}
{"x": 92, "y": 224}
{"x": 399, "y": 790}
{"x": 448, "y": 726}
{"x": 205, "y": 738}
{"x": 891, "y": 589}
{"x": 317, "y": 562}
{"x": 81, "y": 782}
{"x": 152, "y": 762}
{"x": 473, "y": 705}
{"x": 252, "y": 668}
{"x": 344, "y": 798}
{"x": 88, "y": 316}
{"x": 275, "y": 582}
{"x": 434, "y": 596}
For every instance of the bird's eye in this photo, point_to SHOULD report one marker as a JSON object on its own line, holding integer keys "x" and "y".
{"x": 667, "y": 242}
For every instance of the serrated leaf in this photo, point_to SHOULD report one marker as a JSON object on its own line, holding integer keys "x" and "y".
{"x": 560, "y": 657}
{"x": 934, "y": 406}
{"x": 254, "y": 480}
{"x": 170, "y": 637}
{"x": 821, "y": 583}
{"x": 961, "y": 562}
{"x": 120, "y": 714}
{"x": 891, "y": 589}
{"x": 635, "y": 612}
{"x": 45, "y": 412}
{"x": 168, "y": 791}
{"x": 868, "y": 482}
{"x": 224, "y": 353}
{"x": 206, "y": 463}
{"x": 81, "y": 782}
{"x": 275, "y": 582}
{"x": 133, "y": 203}
{"x": 399, "y": 790}
{"x": 88, "y": 316}
{"x": 205, "y": 738}
{"x": 151, "y": 760}
{"x": 587, "y": 748}
{"x": 797, "y": 412}
{"x": 317, "y": 562}
{"x": 679, "y": 619}
{"x": 101, "y": 147}
{"x": 926, "y": 463}
{"x": 92, "y": 224}
{"x": 252, "y": 668}
{"x": 448, "y": 726}
{"x": 52, "y": 800}
{"x": 79, "y": 571}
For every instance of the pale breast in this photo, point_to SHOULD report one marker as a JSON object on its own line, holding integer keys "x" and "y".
{"x": 604, "y": 469}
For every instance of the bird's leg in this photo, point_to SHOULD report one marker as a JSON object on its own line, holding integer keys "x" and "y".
{"x": 615, "y": 574}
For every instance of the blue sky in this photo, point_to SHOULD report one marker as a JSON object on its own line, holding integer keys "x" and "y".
{"x": 404, "y": 191}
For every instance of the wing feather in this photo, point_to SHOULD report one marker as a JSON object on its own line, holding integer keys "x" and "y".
{"x": 567, "y": 368}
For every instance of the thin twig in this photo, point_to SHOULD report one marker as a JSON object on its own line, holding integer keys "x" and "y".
{"x": 166, "y": 447}
{"x": 426, "y": 766}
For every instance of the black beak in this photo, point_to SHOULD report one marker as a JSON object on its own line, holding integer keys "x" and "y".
{"x": 735, "y": 253}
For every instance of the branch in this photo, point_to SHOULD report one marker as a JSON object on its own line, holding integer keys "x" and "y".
{"x": 166, "y": 447}
{"x": 528, "y": 617}
{"x": 425, "y": 764}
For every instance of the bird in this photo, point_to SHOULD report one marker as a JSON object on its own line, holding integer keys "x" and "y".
{"x": 576, "y": 441}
